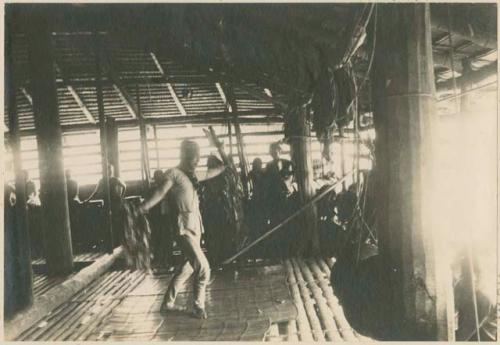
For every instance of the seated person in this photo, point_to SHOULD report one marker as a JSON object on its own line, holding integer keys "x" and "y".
{"x": 9, "y": 194}
{"x": 32, "y": 197}
{"x": 72, "y": 188}
{"x": 256, "y": 176}
{"x": 117, "y": 188}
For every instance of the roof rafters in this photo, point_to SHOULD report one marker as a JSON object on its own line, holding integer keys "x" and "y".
{"x": 176, "y": 99}
{"x": 120, "y": 89}
{"x": 81, "y": 104}
{"x": 27, "y": 95}
{"x": 125, "y": 98}
{"x": 223, "y": 96}
{"x": 76, "y": 96}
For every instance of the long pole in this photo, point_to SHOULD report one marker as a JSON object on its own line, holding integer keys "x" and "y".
{"x": 287, "y": 220}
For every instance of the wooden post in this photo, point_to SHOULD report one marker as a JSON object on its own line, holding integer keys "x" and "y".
{"x": 144, "y": 143}
{"x": 53, "y": 196}
{"x": 107, "y": 223}
{"x": 300, "y": 145}
{"x": 404, "y": 111}
{"x": 112, "y": 141}
{"x": 18, "y": 279}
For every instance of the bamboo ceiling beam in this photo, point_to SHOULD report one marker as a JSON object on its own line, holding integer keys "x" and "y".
{"x": 126, "y": 100}
{"x": 81, "y": 104}
{"x": 76, "y": 96}
{"x": 27, "y": 95}
{"x": 246, "y": 116}
{"x": 474, "y": 77}
{"x": 223, "y": 96}
{"x": 120, "y": 89}
{"x": 176, "y": 99}
{"x": 462, "y": 27}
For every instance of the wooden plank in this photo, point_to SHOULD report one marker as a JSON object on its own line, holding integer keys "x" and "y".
{"x": 95, "y": 287}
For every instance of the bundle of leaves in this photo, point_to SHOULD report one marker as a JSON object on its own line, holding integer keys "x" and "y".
{"x": 137, "y": 236}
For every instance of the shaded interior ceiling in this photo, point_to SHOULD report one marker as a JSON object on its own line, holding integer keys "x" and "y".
{"x": 174, "y": 55}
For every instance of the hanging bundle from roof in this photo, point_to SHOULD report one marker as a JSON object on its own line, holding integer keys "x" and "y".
{"x": 332, "y": 102}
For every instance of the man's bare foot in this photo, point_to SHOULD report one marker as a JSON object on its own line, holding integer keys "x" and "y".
{"x": 169, "y": 308}
{"x": 199, "y": 313}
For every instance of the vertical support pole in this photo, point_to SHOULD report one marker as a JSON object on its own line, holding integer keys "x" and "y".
{"x": 18, "y": 279}
{"x": 107, "y": 223}
{"x": 404, "y": 111}
{"x": 300, "y": 145}
{"x": 112, "y": 141}
{"x": 53, "y": 196}
{"x": 144, "y": 143}
{"x": 230, "y": 134}
{"x": 466, "y": 85}
{"x": 157, "y": 148}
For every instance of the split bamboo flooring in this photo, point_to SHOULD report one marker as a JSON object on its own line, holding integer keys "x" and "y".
{"x": 320, "y": 317}
{"x": 288, "y": 301}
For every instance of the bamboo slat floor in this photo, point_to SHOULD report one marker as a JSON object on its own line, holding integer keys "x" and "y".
{"x": 124, "y": 305}
{"x": 241, "y": 306}
{"x": 318, "y": 308}
{"x": 292, "y": 301}
{"x": 43, "y": 283}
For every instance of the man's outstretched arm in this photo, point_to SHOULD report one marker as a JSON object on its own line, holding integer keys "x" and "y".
{"x": 211, "y": 173}
{"x": 157, "y": 196}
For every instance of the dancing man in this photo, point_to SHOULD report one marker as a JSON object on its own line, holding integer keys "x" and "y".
{"x": 181, "y": 185}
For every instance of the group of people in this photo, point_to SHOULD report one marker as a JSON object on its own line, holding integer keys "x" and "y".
{"x": 174, "y": 200}
{"x": 274, "y": 198}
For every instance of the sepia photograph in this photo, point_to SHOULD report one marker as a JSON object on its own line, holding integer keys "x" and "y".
{"x": 264, "y": 172}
